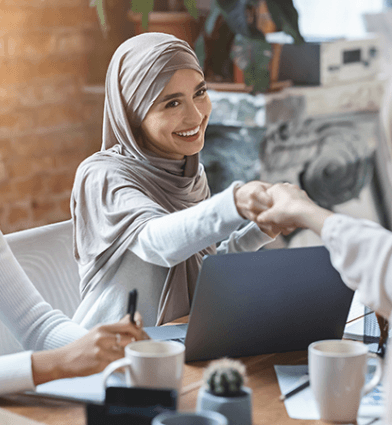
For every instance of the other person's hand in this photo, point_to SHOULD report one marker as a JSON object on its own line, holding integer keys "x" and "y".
{"x": 90, "y": 354}
{"x": 292, "y": 208}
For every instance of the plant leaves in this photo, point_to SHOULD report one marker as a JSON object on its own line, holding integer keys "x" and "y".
{"x": 191, "y": 8}
{"x": 144, "y": 7}
{"x": 212, "y": 17}
{"x": 235, "y": 14}
{"x": 253, "y": 57}
{"x": 285, "y": 17}
{"x": 98, "y": 4}
{"x": 200, "y": 50}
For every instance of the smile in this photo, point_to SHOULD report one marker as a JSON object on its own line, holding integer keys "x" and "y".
{"x": 189, "y": 132}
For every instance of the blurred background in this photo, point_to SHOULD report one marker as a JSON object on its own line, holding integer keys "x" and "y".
{"x": 323, "y": 124}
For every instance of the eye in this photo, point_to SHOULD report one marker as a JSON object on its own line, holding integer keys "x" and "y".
{"x": 172, "y": 104}
{"x": 201, "y": 92}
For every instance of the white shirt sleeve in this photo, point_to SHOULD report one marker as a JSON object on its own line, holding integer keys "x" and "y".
{"x": 31, "y": 319}
{"x": 15, "y": 373}
{"x": 170, "y": 239}
{"x": 361, "y": 251}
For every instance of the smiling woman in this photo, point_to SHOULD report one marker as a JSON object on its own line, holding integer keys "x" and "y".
{"x": 175, "y": 125}
{"x": 142, "y": 212}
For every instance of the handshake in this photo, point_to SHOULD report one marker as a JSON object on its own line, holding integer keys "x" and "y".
{"x": 279, "y": 208}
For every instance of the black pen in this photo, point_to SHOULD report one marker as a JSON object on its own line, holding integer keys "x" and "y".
{"x": 132, "y": 301}
{"x": 302, "y": 383}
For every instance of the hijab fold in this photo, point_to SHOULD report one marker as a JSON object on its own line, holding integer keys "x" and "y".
{"x": 119, "y": 189}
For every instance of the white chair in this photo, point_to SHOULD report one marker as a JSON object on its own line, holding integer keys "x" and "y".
{"x": 46, "y": 255}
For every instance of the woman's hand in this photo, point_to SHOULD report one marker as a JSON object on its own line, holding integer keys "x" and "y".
{"x": 292, "y": 208}
{"x": 251, "y": 200}
{"x": 90, "y": 354}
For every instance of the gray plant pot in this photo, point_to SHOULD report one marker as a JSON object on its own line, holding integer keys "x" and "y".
{"x": 238, "y": 410}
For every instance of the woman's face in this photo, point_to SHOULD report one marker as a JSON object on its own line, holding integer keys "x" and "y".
{"x": 174, "y": 126}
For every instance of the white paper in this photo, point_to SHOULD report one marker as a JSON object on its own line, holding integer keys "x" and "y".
{"x": 303, "y": 406}
{"x": 86, "y": 389}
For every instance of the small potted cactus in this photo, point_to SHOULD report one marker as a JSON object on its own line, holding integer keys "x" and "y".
{"x": 224, "y": 391}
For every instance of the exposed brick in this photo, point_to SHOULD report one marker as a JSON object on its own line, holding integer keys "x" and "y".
{"x": 23, "y": 70}
{"x": 6, "y": 150}
{"x": 61, "y": 183}
{"x": 42, "y": 209}
{"x": 69, "y": 161}
{"x": 18, "y": 213}
{"x": 22, "y": 167}
{"x": 58, "y": 115}
{"x": 15, "y": 18}
{"x": 17, "y": 121}
{"x": 43, "y": 3}
{"x": 62, "y": 66}
{"x": 2, "y": 46}
{"x": 33, "y": 45}
{"x": 9, "y": 99}
{"x": 8, "y": 192}
{"x": 3, "y": 172}
{"x": 83, "y": 17}
{"x": 31, "y": 186}
{"x": 64, "y": 206}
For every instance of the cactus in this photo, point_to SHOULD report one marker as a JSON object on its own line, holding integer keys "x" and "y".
{"x": 225, "y": 377}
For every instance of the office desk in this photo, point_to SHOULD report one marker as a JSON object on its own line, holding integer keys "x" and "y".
{"x": 267, "y": 408}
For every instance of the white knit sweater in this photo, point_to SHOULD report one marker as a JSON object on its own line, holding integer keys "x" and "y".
{"x": 32, "y": 320}
{"x": 361, "y": 251}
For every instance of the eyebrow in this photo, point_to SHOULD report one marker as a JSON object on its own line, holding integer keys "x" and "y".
{"x": 175, "y": 95}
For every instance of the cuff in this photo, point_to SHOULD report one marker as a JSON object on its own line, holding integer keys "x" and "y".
{"x": 16, "y": 373}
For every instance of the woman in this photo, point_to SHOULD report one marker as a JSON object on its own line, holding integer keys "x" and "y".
{"x": 72, "y": 351}
{"x": 142, "y": 211}
{"x": 360, "y": 250}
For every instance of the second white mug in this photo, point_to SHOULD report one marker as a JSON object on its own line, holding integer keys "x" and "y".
{"x": 151, "y": 364}
{"x": 337, "y": 370}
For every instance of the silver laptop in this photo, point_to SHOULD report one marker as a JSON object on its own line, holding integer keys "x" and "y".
{"x": 262, "y": 302}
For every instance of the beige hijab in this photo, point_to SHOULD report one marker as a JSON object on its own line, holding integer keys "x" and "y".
{"x": 113, "y": 189}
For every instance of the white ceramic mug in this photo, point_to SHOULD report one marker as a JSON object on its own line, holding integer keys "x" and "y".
{"x": 337, "y": 370}
{"x": 151, "y": 364}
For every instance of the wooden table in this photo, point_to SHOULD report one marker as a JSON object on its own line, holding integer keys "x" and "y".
{"x": 267, "y": 408}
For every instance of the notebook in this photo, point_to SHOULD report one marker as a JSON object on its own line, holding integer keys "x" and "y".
{"x": 262, "y": 302}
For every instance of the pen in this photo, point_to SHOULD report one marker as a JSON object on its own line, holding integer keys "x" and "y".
{"x": 301, "y": 384}
{"x": 132, "y": 300}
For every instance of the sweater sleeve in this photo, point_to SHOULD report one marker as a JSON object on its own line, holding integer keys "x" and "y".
{"x": 15, "y": 373}
{"x": 361, "y": 251}
{"x": 170, "y": 239}
{"x": 31, "y": 319}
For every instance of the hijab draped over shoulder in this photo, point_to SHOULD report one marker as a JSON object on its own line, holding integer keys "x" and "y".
{"x": 106, "y": 207}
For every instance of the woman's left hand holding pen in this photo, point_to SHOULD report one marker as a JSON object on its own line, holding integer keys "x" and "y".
{"x": 90, "y": 354}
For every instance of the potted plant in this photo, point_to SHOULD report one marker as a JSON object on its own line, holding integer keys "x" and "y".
{"x": 247, "y": 22}
{"x": 224, "y": 392}
{"x": 177, "y": 17}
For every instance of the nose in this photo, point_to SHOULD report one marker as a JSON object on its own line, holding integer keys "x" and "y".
{"x": 194, "y": 116}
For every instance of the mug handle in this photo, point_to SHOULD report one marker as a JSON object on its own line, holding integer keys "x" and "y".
{"x": 376, "y": 377}
{"x": 117, "y": 364}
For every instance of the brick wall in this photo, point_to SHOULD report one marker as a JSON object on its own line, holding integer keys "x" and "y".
{"x": 45, "y": 120}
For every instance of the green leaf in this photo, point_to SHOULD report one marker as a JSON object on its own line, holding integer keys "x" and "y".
{"x": 191, "y": 8}
{"x": 285, "y": 17}
{"x": 235, "y": 14}
{"x": 253, "y": 57}
{"x": 144, "y": 7}
{"x": 98, "y": 4}
{"x": 212, "y": 17}
{"x": 200, "y": 50}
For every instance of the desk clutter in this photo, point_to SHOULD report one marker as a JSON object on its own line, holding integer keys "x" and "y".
{"x": 303, "y": 405}
{"x": 222, "y": 400}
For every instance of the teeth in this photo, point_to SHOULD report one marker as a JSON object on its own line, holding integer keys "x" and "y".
{"x": 189, "y": 133}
